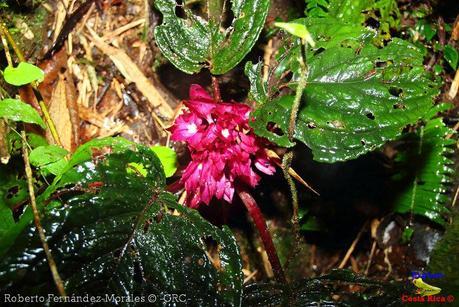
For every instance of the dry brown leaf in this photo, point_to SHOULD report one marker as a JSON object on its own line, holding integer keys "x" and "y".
{"x": 455, "y": 32}
{"x": 454, "y": 86}
{"x": 132, "y": 73}
{"x": 63, "y": 110}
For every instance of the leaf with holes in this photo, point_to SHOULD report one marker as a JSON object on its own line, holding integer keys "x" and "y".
{"x": 425, "y": 171}
{"x": 114, "y": 233}
{"x": 381, "y": 14}
{"x": 358, "y": 96}
{"x": 191, "y": 42}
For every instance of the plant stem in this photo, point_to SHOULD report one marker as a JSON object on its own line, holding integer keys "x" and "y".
{"x": 52, "y": 127}
{"x": 288, "y": 156}
{"x": 298, "y": 94}
{"x": 36, "y": 217}
{"x": 216, "y": 89}
{"x": 260, "y": 223}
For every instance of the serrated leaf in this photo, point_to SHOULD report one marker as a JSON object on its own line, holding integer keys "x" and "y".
{"x": 451, "y": 55}
{"x": 425, "y": 171}
{"x": 192, "y": 43}
{"x": 18, "y": 111}
{"x": 168, "y": 158}
{"x": 24, "y": 73}
{"x": 49, "y": 158}
{"x": 357, "y": 97}
{"x": 320, "y": 290}
{"x": 123, "y": 239}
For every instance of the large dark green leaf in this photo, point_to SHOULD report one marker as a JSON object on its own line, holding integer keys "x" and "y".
{"x": 192, "y": 43}
{"x": 320, "y": 291}
{"x": 358, "y": 96}
{"x": 114, "y": 233}
{"x": 425, "y": 172}
{"x": 67, "y": 175}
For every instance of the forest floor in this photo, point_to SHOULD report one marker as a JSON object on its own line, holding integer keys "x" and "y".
{"x": 109, "y": 79}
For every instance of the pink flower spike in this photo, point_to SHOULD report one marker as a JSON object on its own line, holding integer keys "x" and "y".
{"x": 224, "y": 150}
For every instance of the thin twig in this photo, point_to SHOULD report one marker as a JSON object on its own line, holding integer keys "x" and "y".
{"x": 370, "y": 259}
{"x": 7, "y": 50}
{"x": 352, "y": 247}
{"x": 36, "y": 217}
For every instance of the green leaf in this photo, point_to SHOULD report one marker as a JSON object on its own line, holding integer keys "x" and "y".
{"x": 49, "y": 158}
{"x": 425, "y": 172}
{"x": 296, "y": 29}
{"x": 6, "y": 218}
{"x": 316, "y": 291}
{"x": 13, "y": 190}
{"x": 258, "y": 87}
{"x": 24, "y": 73}
{"x": 451, "y": 56}
{"x": 70, "y": 175}
{"x": 18, "y": 111}
{"x": 168, "y": 158}
{"x": 192, "y": 43}
{"x": 425, "y": 29}
{"x": 120, "y": 237}
{"x": 358, "y": 96}
{"x": 358, "y": 12}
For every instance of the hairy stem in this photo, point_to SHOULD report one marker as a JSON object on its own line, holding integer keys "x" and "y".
{"x": 49, "y": 122}
{"x": 260, "y": 223}
{"x": 36, "y": 217}
{"x": 288, "y": 156}
{"x": 216, "y": 89}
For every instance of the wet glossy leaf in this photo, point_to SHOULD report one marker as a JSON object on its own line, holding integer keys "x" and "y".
{"x": 115, "y": 234}
{"x": 69, "y": 176}
{"x": 319, "y": 291}
{"x": 191, "y": 43}
{"x": 49, "y": 158}
{"x": 451, "y": 56}
{"x": 425, "y": 171}
{"x": 358, "y": 96}
{"x": 168, "y": 159}
{"x": 18, "y": 111}
{"x": 24, "y": 73}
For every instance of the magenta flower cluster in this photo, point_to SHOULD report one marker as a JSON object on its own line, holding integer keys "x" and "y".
{"x": 223, "y": 148}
